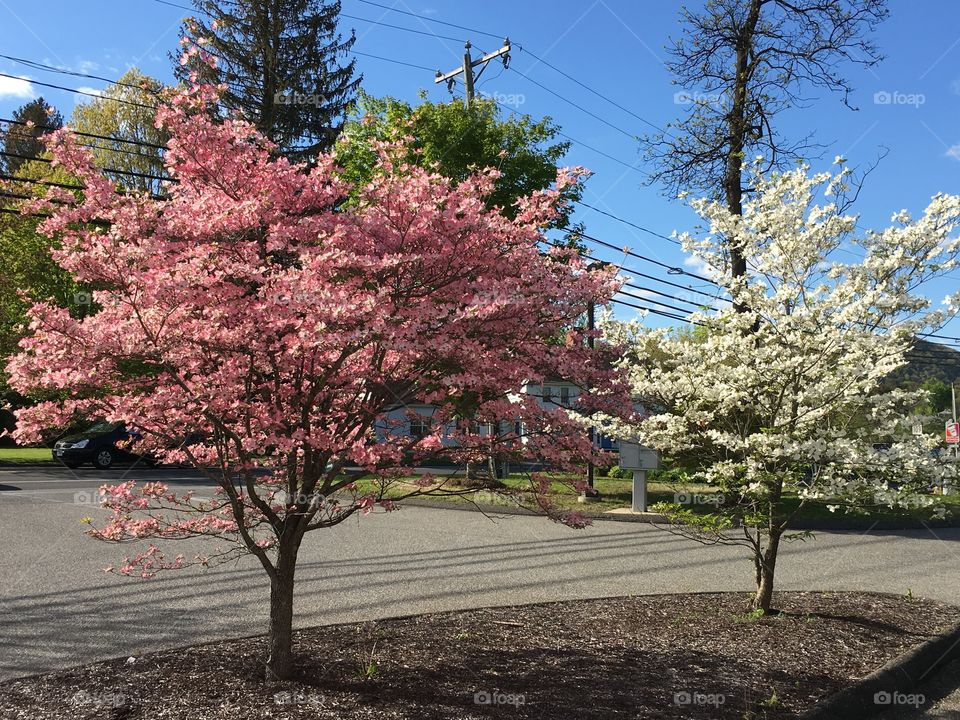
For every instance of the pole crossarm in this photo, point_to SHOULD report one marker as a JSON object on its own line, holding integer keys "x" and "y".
{"x": 466, "y": 69}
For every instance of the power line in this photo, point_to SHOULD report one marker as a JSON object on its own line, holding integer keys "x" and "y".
{"x": 51, "y": 128}
{"x": 651, "y": 300}
{"x": 433, "y": 20}
{"x": 48, "y": 183}
{"x": 640, "y": 274}
{"x": 654, "y": 311}
{"x": 401, "y": 27}
{"x": 582, "y": 109}
{"x": 182, "y": 7}
{"x": 63, "y": 71}
{"x": 631, "y": 224}
{"x": 78, "y": 92}
{"x": 672, "y": 269}
{"x": 67, "y": 186}
{"x": 539, "y": 59}
{"x": 133, "y": 153}
{"x": 396, "y": 62}
{"x": 642, "y": 288}
{"x": 115, "y": 171}
{"x": 590, "y": 89}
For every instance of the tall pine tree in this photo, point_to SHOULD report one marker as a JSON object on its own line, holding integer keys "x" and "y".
{"x": 281, "y": 63}
{"x": 21, "y": 142}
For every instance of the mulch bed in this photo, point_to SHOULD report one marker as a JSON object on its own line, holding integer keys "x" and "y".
{"x": 666, "y": 656}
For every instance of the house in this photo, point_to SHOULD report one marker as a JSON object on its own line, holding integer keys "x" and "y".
{"x": 414, "y": 419}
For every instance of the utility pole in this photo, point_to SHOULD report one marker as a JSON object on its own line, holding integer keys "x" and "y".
{"x": 591, "y": 326}
{"x": 590, "y": 494}
{"x": 469, "y": 79}
{"x": 953, "y": 394}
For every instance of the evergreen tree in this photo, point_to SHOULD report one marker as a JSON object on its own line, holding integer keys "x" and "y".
{"x": 281, "y": 63}
{"x": 22, "y": 142}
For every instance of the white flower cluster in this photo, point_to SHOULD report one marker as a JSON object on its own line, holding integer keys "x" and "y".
{"x": 790, "y": 394}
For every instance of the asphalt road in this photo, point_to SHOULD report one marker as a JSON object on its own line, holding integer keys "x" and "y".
{"x": 58, "y": 608}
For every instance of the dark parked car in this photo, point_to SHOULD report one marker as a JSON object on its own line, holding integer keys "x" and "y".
{"x": 97, "y": 445}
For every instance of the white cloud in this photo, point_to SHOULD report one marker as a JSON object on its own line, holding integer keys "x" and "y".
{"x": 954, "y": 152}
{"x": 88, "y": 66}
{"x": 699, "y": 265}
{"x": 78, "y": 98}
{"x": 17, "y": 88}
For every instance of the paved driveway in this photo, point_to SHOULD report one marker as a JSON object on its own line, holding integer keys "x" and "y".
{"x": 57, "y": 607}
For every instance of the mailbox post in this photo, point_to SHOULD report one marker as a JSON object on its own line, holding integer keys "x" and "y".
{"x": 640, "y": 459}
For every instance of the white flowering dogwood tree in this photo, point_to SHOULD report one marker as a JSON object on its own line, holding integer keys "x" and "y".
{"x": 784, "y": 404}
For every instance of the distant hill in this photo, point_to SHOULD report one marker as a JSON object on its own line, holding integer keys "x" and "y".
{"x": 929, "y": 361}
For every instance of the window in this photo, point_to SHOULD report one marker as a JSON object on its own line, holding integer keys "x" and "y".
{"x": 547, "y": 395}
{"x": 418, "y": 427}
{"x": 565, "y": 396}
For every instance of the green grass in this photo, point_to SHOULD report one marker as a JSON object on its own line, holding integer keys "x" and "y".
{"x": 25, "y": 456}
{"x": 617, "y": 493}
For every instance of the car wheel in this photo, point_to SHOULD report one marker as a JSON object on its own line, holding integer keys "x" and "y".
{"x": 103, "y": 459}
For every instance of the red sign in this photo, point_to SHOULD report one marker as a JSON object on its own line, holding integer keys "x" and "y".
{"x": 953, "y": 432}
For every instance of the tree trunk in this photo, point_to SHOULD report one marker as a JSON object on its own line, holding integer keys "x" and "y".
{"x": 280, "y": 661}
{"x": 738, "y": 130}
{"x": 766, "y": 567}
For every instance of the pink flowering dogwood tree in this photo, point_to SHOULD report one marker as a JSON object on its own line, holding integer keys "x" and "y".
{"x": 253, "y": 308}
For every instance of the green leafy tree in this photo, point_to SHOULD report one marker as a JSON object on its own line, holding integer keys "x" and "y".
{"x": 940, "y": 396}
{"x": 125, "y": 111}
{"x": 29, "y": 271}
{"x": 455, "y": 140}
{"x": 21, "y": 142}
{"x": 281, "y": 63}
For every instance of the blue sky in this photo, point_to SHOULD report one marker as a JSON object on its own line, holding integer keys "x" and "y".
{"x": 615, "y": 47}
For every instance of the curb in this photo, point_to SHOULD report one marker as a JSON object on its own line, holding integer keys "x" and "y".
{"x": 649, "y": 518}
{"x": 838, "y": 526}
{"x": 490, "y": 509}
{"x": 901, "y": 675}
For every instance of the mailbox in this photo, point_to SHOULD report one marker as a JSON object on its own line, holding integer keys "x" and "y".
{"x": 634, "y": 456}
